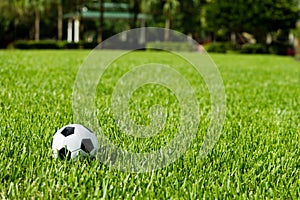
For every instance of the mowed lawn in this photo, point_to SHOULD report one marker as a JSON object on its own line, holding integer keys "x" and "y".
{"x": 257, "y": 155}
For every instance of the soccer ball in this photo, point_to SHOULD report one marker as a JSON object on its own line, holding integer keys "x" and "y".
{"x": 74, "y": 140}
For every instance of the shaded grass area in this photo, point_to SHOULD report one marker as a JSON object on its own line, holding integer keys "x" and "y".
{"x": 257, "y": 155}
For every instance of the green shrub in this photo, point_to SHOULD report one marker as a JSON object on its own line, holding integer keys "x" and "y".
{"x": 171, "y": 46}
{"x": 71, "y": 45}
{"x": 216, "y": 47}
{"x": 221, "y": 47}
{"x": 229, "y": 46}
{"x": 43, "y": 44}
{"x": 254, "y": 49}
{"x": 279, "y": 48}
{"x": 88, "y": 45}
{"x": 51, "y": 44}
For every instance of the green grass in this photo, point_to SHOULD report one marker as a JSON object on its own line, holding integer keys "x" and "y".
{"x": 257, "y": 155}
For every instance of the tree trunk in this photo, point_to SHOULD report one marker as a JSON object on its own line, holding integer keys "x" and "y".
{"x": 101, "y": 27}
{"x": 167, "y": 28}
{"x": 233, "y": 37}
{"x": 59, "y": 21}
{"x": 37, "y": 24}
{"x": 136, "y": 11}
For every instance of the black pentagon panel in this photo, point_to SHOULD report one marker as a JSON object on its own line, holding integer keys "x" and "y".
{"x": 87, "y": 145}
{"x": 68, "y": 131}
{"x": 64, "y": 153}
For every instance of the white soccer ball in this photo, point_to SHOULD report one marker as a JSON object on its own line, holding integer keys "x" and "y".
{"x": 74, "y": 140}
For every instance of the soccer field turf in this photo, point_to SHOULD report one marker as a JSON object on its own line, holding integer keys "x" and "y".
{"x": 256, "y": 156}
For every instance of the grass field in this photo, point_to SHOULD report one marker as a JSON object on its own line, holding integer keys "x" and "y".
{"x": 257, "y": 155}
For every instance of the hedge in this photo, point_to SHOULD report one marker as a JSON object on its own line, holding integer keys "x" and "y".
{"x": 51, "y": 44}
{"x": 254, "y": 49}
{"x": 170, "y": 46}
{"x": 219, "y": 47}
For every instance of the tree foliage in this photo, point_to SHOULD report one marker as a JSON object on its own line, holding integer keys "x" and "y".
{"x": 22, "y": 19}
{"x": 253, "y": 16}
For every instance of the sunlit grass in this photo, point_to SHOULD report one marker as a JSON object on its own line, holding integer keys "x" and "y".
{"x": 257, "y": 155}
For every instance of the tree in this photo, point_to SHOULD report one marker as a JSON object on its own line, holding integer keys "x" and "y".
{"x": 101, "y": 20}
{"x": 38, "y": 6}
{"x": 6, "y": 22}
{"x": 169, "y": 8}
{"x": 21, "y": 19}
{"x": 135, "y": 9}
{"x": 25, "y": 7}
{"x": 59, "y": 19}
{"x": 37, "y": 10}
{"x": 189, "y": 18}
{"x": 255, "y": 17}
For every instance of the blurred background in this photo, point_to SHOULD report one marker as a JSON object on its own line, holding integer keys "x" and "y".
{"x": 247, "y": 26}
